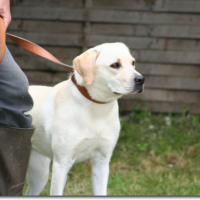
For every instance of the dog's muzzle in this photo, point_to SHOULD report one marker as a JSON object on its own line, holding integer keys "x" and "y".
{"x": 138, "y": 88}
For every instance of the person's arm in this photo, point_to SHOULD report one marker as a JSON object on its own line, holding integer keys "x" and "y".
{"x": 5, "y": 11}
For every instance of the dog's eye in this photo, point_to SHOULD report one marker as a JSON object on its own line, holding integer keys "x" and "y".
{"x": 115, "y": 65}
{"x": 133, "y": 63}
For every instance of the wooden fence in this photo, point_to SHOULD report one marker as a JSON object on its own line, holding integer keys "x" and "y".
{"x": 164, "y": 33}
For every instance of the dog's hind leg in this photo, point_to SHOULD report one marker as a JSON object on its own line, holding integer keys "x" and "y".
{"x": 37, "y": 173}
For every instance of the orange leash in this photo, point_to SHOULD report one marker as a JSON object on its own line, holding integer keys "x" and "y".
{"x": 2, "y": 39}
{"x": 36, "y": 49}
{"x": 30, "y": 46}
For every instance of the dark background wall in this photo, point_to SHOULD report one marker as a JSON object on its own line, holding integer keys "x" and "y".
{"x": 163, "y": 34}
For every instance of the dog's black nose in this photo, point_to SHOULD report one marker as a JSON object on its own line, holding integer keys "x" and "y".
{"x": 139, "y": 80}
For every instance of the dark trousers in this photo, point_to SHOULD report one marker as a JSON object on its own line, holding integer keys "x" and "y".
{"x": 16, "y": 128}
{"x": 14, "y": 96}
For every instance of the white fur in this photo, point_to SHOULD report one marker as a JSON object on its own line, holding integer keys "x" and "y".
{"x": 71, "y": 128}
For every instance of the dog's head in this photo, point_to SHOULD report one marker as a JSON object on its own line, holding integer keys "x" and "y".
{"x": 109, "y": 68}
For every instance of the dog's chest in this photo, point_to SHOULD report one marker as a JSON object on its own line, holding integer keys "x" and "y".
{"x": 89, "y": 147}
{"x": 86, "y": 149}
{"x": 86, "y": 130}
{"x": 96, "y": 140}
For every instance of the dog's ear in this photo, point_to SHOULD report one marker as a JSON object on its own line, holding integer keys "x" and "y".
{"x": 85, "y": 65}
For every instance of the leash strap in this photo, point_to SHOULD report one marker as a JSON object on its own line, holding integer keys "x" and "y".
{"x": 2, "y": 39}
{"x": 30, "y": 46}
{"x": 36, "y": 49}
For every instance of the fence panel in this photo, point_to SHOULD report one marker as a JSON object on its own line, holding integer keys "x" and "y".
{"x": 163, "y": 35}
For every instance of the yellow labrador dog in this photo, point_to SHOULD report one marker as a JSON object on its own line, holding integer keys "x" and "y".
{"x": 72, "y": 126}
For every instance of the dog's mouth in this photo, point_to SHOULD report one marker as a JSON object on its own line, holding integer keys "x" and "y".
{"x": 136, "y": 90}
{"x": 117, "y": 93}
{"x": 139, "y": 91}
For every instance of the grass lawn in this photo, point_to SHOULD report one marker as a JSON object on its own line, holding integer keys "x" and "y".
{"x": 156, "y": 154}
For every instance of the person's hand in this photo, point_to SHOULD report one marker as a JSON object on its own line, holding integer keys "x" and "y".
{"x": 5, "y": 12}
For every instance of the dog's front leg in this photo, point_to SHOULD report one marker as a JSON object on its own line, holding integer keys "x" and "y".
{"x": 100, "y": 173}
{"x": 59, "y": 175}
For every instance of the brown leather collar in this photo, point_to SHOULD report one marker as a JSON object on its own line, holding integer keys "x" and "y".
{"x": 84, "y": 91}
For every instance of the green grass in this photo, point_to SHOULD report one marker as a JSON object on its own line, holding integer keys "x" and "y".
{"x": 156, "y": 154}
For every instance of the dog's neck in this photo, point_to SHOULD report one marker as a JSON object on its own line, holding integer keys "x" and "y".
{"x": 95, "y": 92}
{"x": 84, "y": 91}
